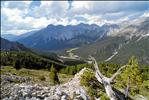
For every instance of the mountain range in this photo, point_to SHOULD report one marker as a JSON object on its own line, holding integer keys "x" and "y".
{"x": 110, "y": 42}
{"x": 56, "y": 37}
{"x": 129, "y": 40}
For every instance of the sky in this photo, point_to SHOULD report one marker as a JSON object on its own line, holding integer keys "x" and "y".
{"x": 18, "y": 17}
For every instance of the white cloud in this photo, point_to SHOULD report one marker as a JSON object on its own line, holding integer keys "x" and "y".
{"x": 17, "y": 31}
{"x": 146, "y": 14}
{"x": 108, "y": 7}
{"x": 50, "y": 9}
{"x": 13, "y": 15}
{"x": 91, "y": 19}
{"x": 18, "y": 17}
{"x": 123, "y": 19}
{"x": 16, "y": 4}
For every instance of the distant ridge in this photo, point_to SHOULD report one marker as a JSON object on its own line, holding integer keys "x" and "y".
{"x": 7, "y": 45}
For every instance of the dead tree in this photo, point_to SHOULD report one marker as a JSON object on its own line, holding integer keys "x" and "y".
{"x": 127, "y": 89}
{"x": 105, "y": 80}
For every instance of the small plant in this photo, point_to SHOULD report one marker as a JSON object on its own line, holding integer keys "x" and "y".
{"x": 89, "y": 80}
{"x": 104, "y": 96}
{"x": 42, "y": 78}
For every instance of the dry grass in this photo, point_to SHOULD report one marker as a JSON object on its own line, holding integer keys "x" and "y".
{"x": 38, "y": 76}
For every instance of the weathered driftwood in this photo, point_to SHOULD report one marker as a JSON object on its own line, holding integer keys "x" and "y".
{"x": 105, "y": 80}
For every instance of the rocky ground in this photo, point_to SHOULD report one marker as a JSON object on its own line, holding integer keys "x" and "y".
{"x": 24, "y": 89}
{"x": 15, "y": 87}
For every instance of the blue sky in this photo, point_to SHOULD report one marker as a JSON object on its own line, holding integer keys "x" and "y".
{"x": 18, "y": 17}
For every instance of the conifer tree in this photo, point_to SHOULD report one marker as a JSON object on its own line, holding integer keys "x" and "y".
{"x": 16, "y": 65}
{"x": 133, "y": 73}
{"x": 54, "y": 76}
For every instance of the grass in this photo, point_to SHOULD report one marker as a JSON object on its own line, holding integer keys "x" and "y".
{"x": 37, "y": 76}
{"x": 145, "y": 91}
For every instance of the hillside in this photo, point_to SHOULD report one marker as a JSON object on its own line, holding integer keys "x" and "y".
{"x": 9, "y": 37}
{"x": 36, "y": 84}
{"x": 12, "y": 37}
{"x": 130, "y": 40}
{"x": 135, "y": 48}
{"x": 12, "y": 46}
{"x": 28, "y": 60}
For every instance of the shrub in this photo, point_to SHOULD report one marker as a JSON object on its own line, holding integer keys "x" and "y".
{"x": 71, "y": 70}
{"x": 54, "y": 76}
{"x": 131, "y": 74}
{"x": 104, "y": 96}
{"x": 42, "y": 78}
{"x": 89, "y": 80}
{"x": 16, "y": 65}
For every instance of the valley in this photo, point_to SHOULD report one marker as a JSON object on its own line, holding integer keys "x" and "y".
{"x": 99, "y": 41}
{"x": 74, "y": 50}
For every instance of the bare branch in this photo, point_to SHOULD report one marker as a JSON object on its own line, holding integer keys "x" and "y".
{"x": 96, "y": 67}
{"x": 100, "y": 77}
{"x": 127, "y": 89}
{"x": 118, "y": 72}
{"x": 104, "y": 80}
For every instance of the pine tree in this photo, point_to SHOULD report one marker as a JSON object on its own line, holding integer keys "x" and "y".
{"x": 53, "y": 75}
{"x": 16, "y": 65}
{"x": 131, "y": 76}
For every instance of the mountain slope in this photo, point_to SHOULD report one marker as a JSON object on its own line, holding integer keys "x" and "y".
{"x": 129, "y": 40}
{"x": 12, "y": 46}
{"x": 102, "y": 49}
{"x": 9, "y": 37}
{"x": 15, "y": 46}
{"x": 12, "y": 37}
{"x": 135, "y": 48}
{"x": 59, "y": 37}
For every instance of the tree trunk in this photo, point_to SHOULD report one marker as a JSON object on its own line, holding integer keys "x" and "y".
{"x": 127, "y": 89}
{"x": 110, "y": 92}
{"x": 108, "y": 87}
{"x": 105, "y": 80}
